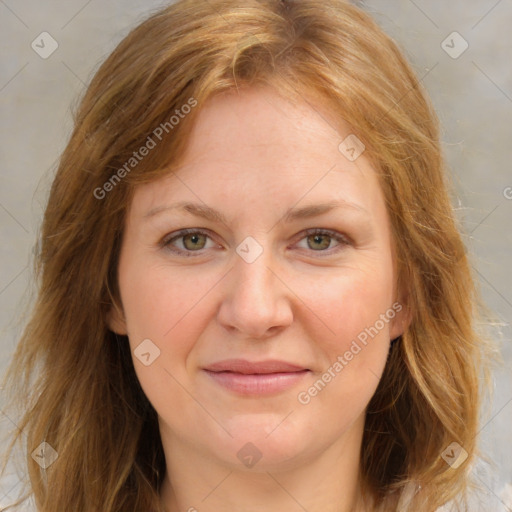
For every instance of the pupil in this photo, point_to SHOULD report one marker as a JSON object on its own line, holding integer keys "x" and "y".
{"x": 321, "y": 240}
{"x": 191, "y": 240}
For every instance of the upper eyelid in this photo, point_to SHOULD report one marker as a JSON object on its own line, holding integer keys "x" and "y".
{"x": 186, "y": 231}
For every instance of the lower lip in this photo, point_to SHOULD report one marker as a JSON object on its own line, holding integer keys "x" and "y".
{"x": 257, "y": 384}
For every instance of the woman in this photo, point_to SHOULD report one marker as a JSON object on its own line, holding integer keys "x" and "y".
{"x": 253, "y": 293}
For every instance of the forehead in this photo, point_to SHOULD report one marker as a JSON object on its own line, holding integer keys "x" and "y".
{"x": 266, "y": 149}
{"x": 262, "y": 119}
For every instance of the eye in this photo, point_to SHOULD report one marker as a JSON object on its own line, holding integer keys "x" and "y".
{"x": 320, "y": 240}
{"x": 189, "y": 240}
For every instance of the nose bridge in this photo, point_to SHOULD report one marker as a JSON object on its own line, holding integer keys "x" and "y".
{"x": 253, "y": 280}
{"x": 255, "y": 299}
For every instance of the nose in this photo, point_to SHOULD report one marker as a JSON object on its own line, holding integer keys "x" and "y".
{"x": 256, "y": 301}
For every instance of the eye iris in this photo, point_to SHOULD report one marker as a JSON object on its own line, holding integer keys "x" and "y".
{"x": 323, "y": 240}
{"x": 194, "y": 237}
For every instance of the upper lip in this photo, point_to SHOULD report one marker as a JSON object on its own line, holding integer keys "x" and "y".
{"x": 255, "y": 367}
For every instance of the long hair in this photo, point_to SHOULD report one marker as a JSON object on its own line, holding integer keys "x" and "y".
{"x": 74, "y": 379}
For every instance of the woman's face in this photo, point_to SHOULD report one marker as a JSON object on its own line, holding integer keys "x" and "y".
{"x": 269, "y": 322}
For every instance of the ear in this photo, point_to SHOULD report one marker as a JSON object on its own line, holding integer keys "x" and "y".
{"x": 403, "y": 317}
{"x": 116, "y": 321}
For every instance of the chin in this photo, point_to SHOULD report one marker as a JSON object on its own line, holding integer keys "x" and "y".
{"x": 264, "y": 442}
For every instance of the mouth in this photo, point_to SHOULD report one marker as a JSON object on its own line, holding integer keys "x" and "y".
{"x": 256, "y": 378}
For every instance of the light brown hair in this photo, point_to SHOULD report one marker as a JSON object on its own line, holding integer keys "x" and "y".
{"x": 74, "y": 378}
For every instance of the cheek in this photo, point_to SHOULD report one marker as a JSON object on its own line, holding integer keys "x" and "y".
{"x": 342, "y": 306}
{"x": 169, "y": 306}
{"x": 159, "y": 300}
{"x": 166, "y": 306}
{"x": 357, "y": 308}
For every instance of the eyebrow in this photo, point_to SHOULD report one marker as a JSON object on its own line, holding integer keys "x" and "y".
{"x": 305, "y": 212}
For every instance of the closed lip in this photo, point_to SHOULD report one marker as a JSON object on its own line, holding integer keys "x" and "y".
{"x": 254, "y": 367}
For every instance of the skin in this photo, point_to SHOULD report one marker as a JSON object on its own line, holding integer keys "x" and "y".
{"x": 252, "y": 155}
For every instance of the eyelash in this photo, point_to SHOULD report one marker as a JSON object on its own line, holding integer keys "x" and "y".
{"x": 341, "y": 239}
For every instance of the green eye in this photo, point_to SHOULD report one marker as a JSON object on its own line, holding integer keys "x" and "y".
{"x": 190, "y": 242}
{"x": 194, "y": 241}
{"x": 321, "y": 241}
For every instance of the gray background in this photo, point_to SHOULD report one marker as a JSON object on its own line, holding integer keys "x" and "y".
{"x": 472, "y": 95}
